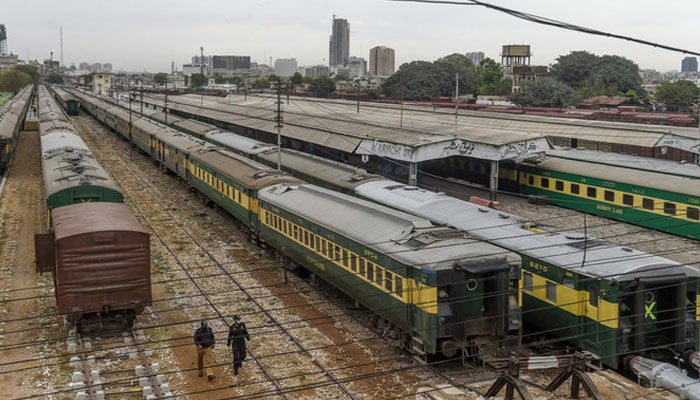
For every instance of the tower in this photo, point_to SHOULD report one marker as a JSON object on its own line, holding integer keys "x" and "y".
{"x": 61, "y": 34}
{"x": 339, "y": 43}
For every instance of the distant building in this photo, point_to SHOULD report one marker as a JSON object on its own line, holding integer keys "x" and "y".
{"x": 3, "y": 39}
{"x": 357, "y": 67}
{"x": 381, "y": 61}
{"x": 317, "y": 70}
{"x": 231, "y": 65}
{"x": 339, "y": 43}
{"x": 260, "y": 69}
{"x": 107, "y": 66}
{"x": 96, "y": 67}
{"x": 285, "y": 67}
{"x": 515, "y": 59}
{"x": 689, "y": 64}
{"x": 8, "y": 61}
{"x": 101, "y": 83}
{"x": 84, "y": 66}
{"x": 476, "y": 57}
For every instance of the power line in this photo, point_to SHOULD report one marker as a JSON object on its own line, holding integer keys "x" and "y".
{"x": 551, "y": 22}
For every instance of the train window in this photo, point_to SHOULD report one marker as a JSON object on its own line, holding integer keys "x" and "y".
{"x": 593, "y": 296}
{"x": 378, "y": 277}
{"x": 591, "y": 192}
{"x": 306, "y": 237}
{"x": 323, "y": 247}
{"x": 559, "y": 185}
{"x": 317, "y": 246}
{"x": 267, "y": 218}
{"x": 575, "y": 189}
{"x": 544, "y": 182}
{"x": 568, "y": 281}
{"x": 353, "y": 262}
{"x": 370, "y": 271}
{"x": 527, "y": 281}
{"x": 530, "y": 180}
{"x": 669, "y": 208}
{"x": 362, "y": 266}
{"x": 238, "y": 193}
{"x": 627, "y": 199}
{"x": 336, "y": 253}
{"x": 346, "y": 262}
{"x": 329, "y": 251}
{"x": 692, "y": 213}
{"x": 399, "y": 286}
{"x": 648, "y": 204}
{"x": 389, "y": 281}
{"x": 551, "y": 289}
{"x": 609, "y": 195}
{"x": 295, "y": 231}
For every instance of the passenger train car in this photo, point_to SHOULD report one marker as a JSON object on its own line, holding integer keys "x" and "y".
{"x": 71, "y": 173}
{"x": 69, "y": 103}
{"x": 653, "y": 193}
{"x": 11, "y": 118}
{"x": 613, "y": 301}
{"x": 97, "y": 250}
{"x": 441, "y": 290}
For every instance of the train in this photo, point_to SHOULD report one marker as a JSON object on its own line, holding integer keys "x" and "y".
{"x": 435, "y": 290}
{"x": 660, "y": 194}
{"x": 613, "y": 301}
{"x": 69, "y": 102}
{"x": 11, "y": 118}
{"x": 97, "y": 250}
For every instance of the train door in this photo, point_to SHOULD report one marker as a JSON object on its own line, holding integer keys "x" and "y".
{"x": 591, "y": 317}
{"x": 659, "y": 313}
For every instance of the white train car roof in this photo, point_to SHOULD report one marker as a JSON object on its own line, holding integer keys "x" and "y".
{"x": 564, "y": 249}
{"x": 339, "y": 174}
{"x": 239, "y": 143}
{"x": 412, "y": 240}
{"x": 649, "y": 178}
{"x": 58, "y": 141}
{"x": 66, "y": 169}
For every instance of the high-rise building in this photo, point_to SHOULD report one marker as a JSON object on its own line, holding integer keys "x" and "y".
{"x": 689, "y": 64}
{"x": 316, "y": 71}
{"x": 476, "y": 57}
{"x": 339, "y": 43}
{"x": 285, "y": 67}
{"x": 107, "y": 66}
{"x": 3, "y": 39}
{"x": 231, "y": 65}
{"x": 357, "y": 66}
{"x": 381, "y": 61}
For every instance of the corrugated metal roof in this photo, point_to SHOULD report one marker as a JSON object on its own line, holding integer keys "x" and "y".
{"x": 78, "y": 219}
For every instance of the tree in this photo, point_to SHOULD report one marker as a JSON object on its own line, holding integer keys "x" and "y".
{"x": 54, "y": 78}
{"x": 322, "y": 86}
{"x": 29, "y": 70}
{"x": 296, "y": 79}
{"x": 14, "y": 80}
{"x": 618, "y": 74}
{"x": 197, "y": 80}
{"x": 573, "y": 68}
{"x": 261, "y": 83}
{"x": 491, "y": 78}
{"x": 677, "y": 96}
{"x": 454, "y": 64}
{"x": 544, "y": 92}
{"x": 160, "y": 78}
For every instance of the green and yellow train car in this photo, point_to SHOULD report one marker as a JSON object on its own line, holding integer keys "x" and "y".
{"x": 666, "y": 200}
{"x": 441, "y": 290}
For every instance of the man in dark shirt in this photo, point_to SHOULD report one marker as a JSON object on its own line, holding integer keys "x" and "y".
{"x": 204, "y": 340}
{"x": 237, "y": 336}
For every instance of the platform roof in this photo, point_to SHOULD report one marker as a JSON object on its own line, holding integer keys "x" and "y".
{"x": 382, "y": 131}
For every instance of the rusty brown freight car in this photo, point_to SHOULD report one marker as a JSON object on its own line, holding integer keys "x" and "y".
{"x": 100, "y": 256}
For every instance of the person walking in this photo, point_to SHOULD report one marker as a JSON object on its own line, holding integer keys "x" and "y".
{"x": 204, "y": 340}
{"x": 237, "y": 336}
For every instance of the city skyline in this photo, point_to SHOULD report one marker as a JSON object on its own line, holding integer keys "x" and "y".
{"x": 150, "y": 35}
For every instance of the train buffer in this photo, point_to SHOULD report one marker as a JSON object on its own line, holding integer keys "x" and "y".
{"x": 574, "y": 367}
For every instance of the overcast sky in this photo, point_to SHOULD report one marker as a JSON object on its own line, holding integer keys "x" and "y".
{"x": 149, "y": 34}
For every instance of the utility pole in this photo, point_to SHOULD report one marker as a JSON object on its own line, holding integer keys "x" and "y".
{"x": 278, "y": 125}
{"x": 456, "y": 94}
{"x": 131, "y": 142}
{"x": 165, "y": 107}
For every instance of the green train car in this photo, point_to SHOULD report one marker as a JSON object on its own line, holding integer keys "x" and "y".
{"x": 655, "y": 194}
{"x": 11, "y": 118}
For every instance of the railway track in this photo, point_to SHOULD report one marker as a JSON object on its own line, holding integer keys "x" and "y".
{"x": 209, "y": 270}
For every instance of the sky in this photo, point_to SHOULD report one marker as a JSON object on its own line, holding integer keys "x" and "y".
{"x": 147, "y": 35}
